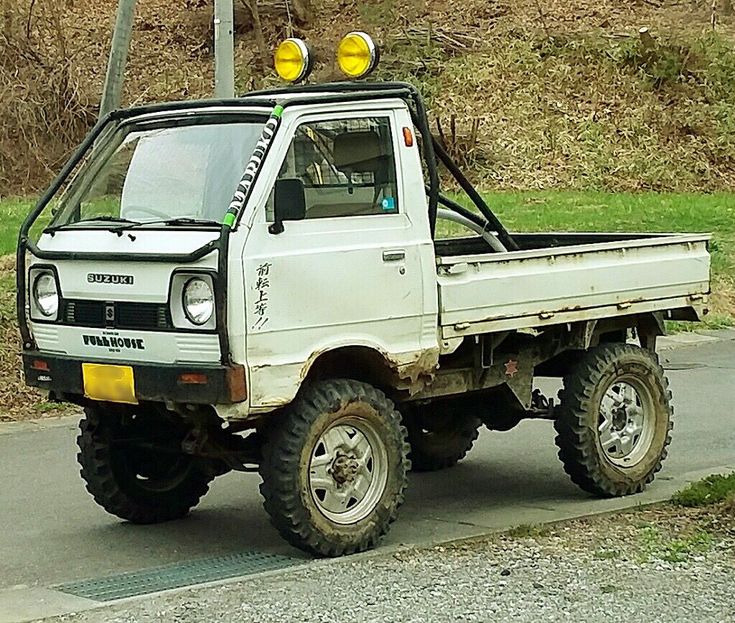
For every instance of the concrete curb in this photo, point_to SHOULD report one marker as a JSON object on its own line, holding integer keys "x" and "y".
{"x": 39, "y": 424}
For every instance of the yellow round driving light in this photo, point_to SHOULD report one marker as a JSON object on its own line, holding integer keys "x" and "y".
{"x": 292, "y": 60}
{"x": 357, "y": 55}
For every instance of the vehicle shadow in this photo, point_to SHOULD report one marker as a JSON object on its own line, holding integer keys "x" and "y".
{"x": 490, "y": 489}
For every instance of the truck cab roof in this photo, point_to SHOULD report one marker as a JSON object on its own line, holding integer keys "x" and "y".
{"x": 333, "y": 92}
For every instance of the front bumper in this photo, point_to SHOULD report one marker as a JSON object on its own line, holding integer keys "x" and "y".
{"x": 62, "y": 376}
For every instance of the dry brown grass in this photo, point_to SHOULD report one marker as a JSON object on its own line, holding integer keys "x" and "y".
{"x": 723, "y": 296}
{"x": 46, "y": 105}
{"x": 564, "y": 98}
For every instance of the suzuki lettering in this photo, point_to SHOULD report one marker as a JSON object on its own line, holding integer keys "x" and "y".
{"x": 121, "y": 280}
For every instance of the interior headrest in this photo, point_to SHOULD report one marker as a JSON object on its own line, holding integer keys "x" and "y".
{"x": 358, "y": 151}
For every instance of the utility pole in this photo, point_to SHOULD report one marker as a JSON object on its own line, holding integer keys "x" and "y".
{"x": 112, "y": 90}
{"x": 224, "y": 55}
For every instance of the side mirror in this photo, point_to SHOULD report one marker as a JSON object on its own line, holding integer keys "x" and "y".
{"x": 289, "y": 203}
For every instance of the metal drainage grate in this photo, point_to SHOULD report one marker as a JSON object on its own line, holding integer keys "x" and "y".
{"x": 177, "y": 575}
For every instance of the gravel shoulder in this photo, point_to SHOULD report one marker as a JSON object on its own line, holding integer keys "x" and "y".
{"x": 656, "y": 564}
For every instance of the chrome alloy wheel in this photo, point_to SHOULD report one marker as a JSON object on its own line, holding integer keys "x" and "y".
{"x": 348, "y": 470}
{"x": 626, "y": 425}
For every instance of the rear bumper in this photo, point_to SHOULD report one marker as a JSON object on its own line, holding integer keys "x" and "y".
{"x": 62, "y": 376}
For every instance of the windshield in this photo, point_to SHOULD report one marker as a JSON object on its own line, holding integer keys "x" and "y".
{"x": 156, "y": 174}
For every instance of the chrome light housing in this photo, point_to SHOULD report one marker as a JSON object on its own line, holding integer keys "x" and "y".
{"x": 198, "y": 300}
{"x": 46, "y": 294}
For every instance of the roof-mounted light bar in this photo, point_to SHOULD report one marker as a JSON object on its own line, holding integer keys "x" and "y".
{"x": 357, "y": 56}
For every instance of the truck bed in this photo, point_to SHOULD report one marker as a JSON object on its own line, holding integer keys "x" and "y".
{"x": 567, "y": 277}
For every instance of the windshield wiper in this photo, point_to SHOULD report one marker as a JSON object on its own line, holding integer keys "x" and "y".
{"x": 187, "y": 220}
{"x": 126, "y": 223}
{"x": 105, "y": 218}
{"x": 178, "y": 221}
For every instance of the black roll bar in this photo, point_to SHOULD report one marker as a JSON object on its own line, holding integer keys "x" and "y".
{"x": 332, "y": 93}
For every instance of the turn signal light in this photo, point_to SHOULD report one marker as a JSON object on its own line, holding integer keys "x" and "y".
{"x": 407, "y": 137}
{"x": 193, "y": 378}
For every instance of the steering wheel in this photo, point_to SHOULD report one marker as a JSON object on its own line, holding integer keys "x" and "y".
{"x": 146, "y": 210}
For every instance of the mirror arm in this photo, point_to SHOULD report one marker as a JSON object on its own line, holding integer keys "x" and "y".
{"x": 276, "y": 227}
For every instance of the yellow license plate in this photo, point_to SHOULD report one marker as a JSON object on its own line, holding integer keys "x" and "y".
{"x": 106, "y": 382}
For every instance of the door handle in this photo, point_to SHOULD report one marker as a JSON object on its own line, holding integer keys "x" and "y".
{"x": 394, "y": 255}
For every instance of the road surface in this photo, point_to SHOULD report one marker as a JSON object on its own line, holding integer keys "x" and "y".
{"x": 52, "y": 532}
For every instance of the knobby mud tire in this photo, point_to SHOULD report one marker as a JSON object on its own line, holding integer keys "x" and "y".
{"x": 439, "y": 440}
{"x": 111, "y": 480}
{"x": 287, "y": 453}
{"x": 580, "y": 450}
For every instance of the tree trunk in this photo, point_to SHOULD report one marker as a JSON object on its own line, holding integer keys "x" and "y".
{"x": 259, "y": 37}
{"x": 300, "y": 10}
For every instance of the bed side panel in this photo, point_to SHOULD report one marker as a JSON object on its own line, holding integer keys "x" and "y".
{"x": 542, "y": 284}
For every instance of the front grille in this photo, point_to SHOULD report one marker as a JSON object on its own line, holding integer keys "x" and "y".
{"x": 141, "y": 315}
{"x": 124, "y": 315}
{"x": 87, "y": 313}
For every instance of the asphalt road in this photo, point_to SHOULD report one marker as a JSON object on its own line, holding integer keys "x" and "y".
{"x": 51, "y": 531}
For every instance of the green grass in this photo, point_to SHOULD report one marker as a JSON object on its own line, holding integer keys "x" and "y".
{"x": 12, "y": 213}
{"x": 528, "y": 531}
{"x": 574, "y": 211}
{"x": 655, "y": 545}
{"x": 606, "y": 554}
{"x": 711, "y": 490}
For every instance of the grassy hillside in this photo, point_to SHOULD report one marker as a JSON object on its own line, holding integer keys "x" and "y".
{"x": 560, "y": 94}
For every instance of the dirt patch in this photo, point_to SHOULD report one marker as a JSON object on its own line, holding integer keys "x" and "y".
{"x": 723, "y": 296}
{"x": 665, "y": 534}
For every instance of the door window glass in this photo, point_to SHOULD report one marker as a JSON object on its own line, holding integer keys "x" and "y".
{"x": 347, "y": 167}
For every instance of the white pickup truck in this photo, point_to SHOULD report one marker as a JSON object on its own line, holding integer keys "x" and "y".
{"x": 313, "y": 326}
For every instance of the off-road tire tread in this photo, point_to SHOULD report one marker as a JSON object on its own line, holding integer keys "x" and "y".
{"x": 101, "y": 483}
{"x": 423, "y": 460}
{"x": 577, "y": 443}
{"x": 281, "y": 452}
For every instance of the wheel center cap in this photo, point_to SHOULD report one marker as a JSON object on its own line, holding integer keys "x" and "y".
{"x": 344, "y": 469}
{"x": 620, "y": 418}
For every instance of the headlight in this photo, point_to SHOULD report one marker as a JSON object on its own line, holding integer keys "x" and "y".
{"x": 357, "y": 55}
{"x": 198, "y": 301}
{"x": 46, "y": 294}
{"x": 292, "y": 61}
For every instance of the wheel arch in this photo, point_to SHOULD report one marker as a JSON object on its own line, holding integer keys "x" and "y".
{"x": 648, "y": 327}
{"x": 360, "y": 363}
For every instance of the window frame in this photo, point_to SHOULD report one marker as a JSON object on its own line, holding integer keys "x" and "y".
{"x": 313, "y": 118}
{"x": 83, "y": 177}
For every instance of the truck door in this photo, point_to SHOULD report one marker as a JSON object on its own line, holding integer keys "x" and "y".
{"x": 350, "y": 268}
